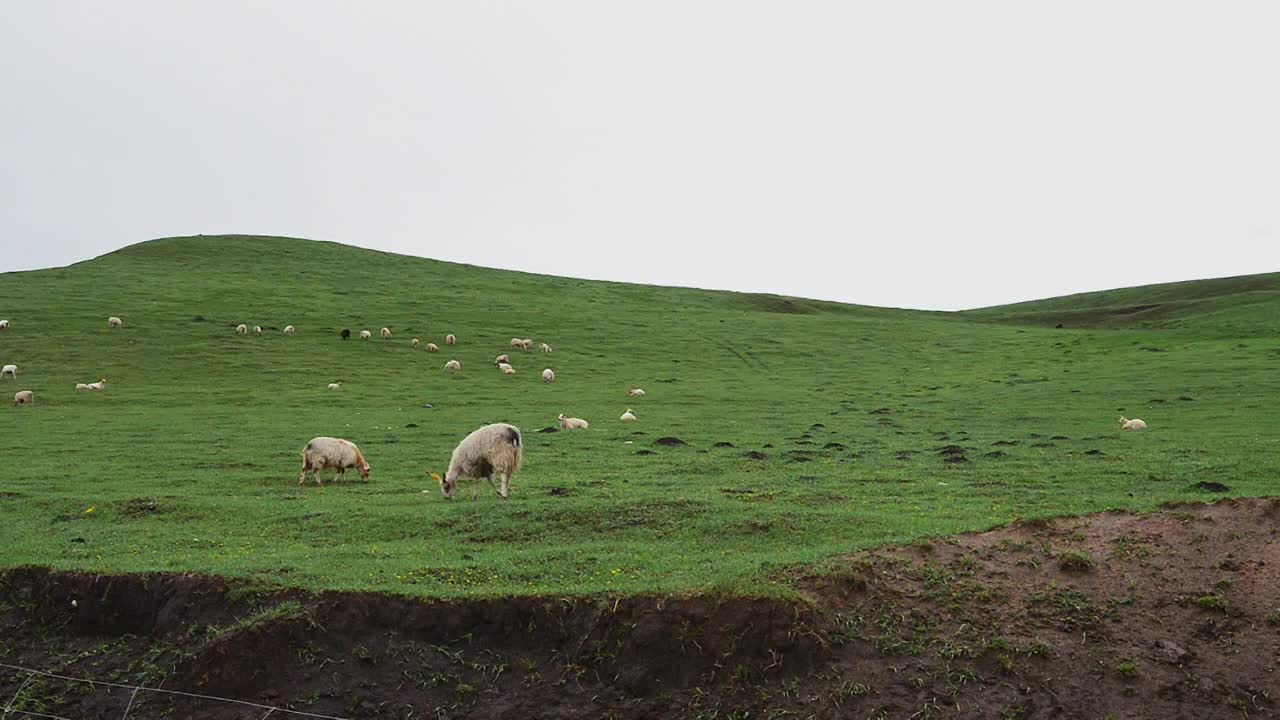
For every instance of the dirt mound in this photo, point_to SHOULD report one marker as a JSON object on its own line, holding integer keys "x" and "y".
{"x": 1173, "y": 615}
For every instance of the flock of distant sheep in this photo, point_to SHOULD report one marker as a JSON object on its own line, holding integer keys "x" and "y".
{"x": 489, "y": 450}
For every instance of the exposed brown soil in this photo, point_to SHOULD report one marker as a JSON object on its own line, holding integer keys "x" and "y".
{"x": 1169, "y": 615}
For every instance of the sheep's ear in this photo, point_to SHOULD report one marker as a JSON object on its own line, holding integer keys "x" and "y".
{"x": 437, "y": 478}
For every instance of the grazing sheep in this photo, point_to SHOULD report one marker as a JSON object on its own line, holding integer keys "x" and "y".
{"x": 4, "y": 324}
{"x": 335, "y": 386}
{"x": 450, "y": 339}
{"x": 545, "y": 348}
{"x": 414, "y": 342}
{"x": 81, "y": 386}
{"x": 1134, "y": 424}
{"x": 635, "y": 392}
{"x": 432, "y": 347}
{"x": 521, "y": 344}
{"x": 386, "y": 333}
{"x": 528, "y": 344}
{"x": 257, "y": 329}
{"x": 242, "y": 329}
{"x": 365, "y": 334}
{"x": 507, "y": 369}
{"x": 495, "y": 448}
{"x": 92, "y": 386}
{"x": 346, "y": 334}
{"x": 549, "y": 375}
{"x": 453, "y": 365}
{"x": 503, "y": 358}
{"x": 326, "y": 453}
{"x": 569, "y": 423}
{"x": 628, "y": 416}
{"x": 24, "y": 397}
{"x": 9, "y": 370}
{"x": 288, "y": 330}
{"x": 114, "y": 322}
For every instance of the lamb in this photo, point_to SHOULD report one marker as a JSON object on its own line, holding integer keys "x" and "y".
{"x": 1134, "y": 424}
{"x": 414, "y": 342}
{"x": 432, "y": 347}
{"x": 517, "y": 343}
{"x": 495, "y": 448}
{"x": 346, "y": 334}
{"x": 450, "y": 339}
{"x": 507, "y": 369}
{"x": 635, "y": 392}
{"x": 9, "y": 370}
{"x": 549, "y": 375}
{"x": 545, "y": 348}
{"x": 569, "y": 423}
{"x": 628, "y": 416}
{"x": 386, "y": 333}
{"x": 24, "y": 397}
{"x": 527, "y": 343}
{"x": 365, "y": 334}
{"x": 503, "y": 358}
{"x": 101, "y": 384}
{"x": 257, "y": 329}
{"x": 452, "y": 365}
{"x": 288, "y": 330}
{"x": 114, "y": 322}
{"x": 326, "y": 453}
{"x": 4, "y": 324}
{"x": 242, "y": 329}
{"x": 335, "y": 386}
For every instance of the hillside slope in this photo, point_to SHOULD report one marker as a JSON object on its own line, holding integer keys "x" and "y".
{"x": 811, "y": 429}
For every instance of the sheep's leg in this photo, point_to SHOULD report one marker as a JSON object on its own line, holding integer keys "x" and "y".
{"x": 504, "y": 491}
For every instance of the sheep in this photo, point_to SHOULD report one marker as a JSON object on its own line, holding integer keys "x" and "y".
{"x": 521, "y": 344}
{"x": 326, "y": 453}
{"x": 4, "y": 324}
{"x": 495, "y": 448}
{"x": 335, "y": 386}
{"x": 452, "y": 365}
{"x": 9, "y": 370}
{"x": 81, "y": 386}
{"x": 549, "y": 375}
{"x": 628, "y": 416}
{"x": 528, "y": 344}
{"x": 1134, "y": 424}
{"x": 24, "y": 397}
{"x": 365, "y": 334}
{"x": 346, "y": 334}
{"x": 288, "y": 330}
{"x": 242, "y": 329}
{"x": 545, "y": 348}
{"x": 432, "y": 347}
{"x": 503, "y": 358}
{"x": 101, "y": 384}
{"x": 450, "y": 339}
{"x": 507, "y": 369}
{"x": 114, "y": 322}
{"x": 569, "y": 423}
{"x": 257, "y": 329}
{"x": 386, "y": 333}
{"x": 414, "y": 342}
{"x": 635, "y": 392}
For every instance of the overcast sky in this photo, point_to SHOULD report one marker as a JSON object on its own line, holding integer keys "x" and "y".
{"x": 916, "y": 154}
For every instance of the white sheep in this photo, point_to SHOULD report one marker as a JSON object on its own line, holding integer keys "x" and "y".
{"x": 635, "y": 392}
{"x": 114, "y": 322}
{"x": 503, "y": 358}
{"x": 453, "y": 365}
{"x": 569, "y": 423}
{"x": 495, "y": 448}
{"x": 506, "y": 369}
{"x": 414, "y": 342}
{"x": 365, "y": 334}
{"x": 545, "y": 348}
{"x": 101, "y": 384}
{"x": 242, "y": 329}
{"x": 386, "y": 333}
{"x": 1134, "y": 424}
{"x": 549, "y": 375}
{"x": 4, "y": 324}
{"x": 628, "y": 416}
{"x": 9, "y": 371}
{"x": 517, "y": 343}
{"x": 24, "y": 397}
{"x": 335, "y": 386}
{"x": 450, "y": 339}
{"x": 527, "y": 344}
{"x": 432, "y": 347}
{"x": 288, "y": 330}
{"x": 326, "y": 453}
{"x": 257, "y": 329}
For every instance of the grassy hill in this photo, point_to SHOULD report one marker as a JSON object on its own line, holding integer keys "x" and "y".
{"x": 877, "y": 426}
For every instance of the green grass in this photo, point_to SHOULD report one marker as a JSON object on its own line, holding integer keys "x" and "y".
{"x": 189, "y": 459}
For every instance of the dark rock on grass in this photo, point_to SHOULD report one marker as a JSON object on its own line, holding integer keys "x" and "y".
{"x": 412, "y": 425}
{"x": 645, "y": 452}
{"x": 755, "y": 455}
{"x": 670, "y": 441}
{"x": 560, "y": 491}
{"x": 549, "y": 429}
{"x": 1059, "y": 437}
{"x": 724, "y": 444}
{"x": 1095, "y": 452}
{"x": 817, "y": 426}
{"x": 639, "y": 432}
{"x": 1210, "y": 486}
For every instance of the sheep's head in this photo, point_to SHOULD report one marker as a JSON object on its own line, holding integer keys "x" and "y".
{"x": 1123, "y": 419}
{"x": 364, "y": 469}
{"x": 447, "y": 487}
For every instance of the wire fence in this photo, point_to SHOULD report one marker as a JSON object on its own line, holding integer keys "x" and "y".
{"x": 10, "y": 712}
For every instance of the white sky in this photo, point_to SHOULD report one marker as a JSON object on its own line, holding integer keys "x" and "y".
{"x": 918, "y": 154}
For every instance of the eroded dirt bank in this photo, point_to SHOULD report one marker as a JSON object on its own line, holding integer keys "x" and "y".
{"x": 1169, "y": 615}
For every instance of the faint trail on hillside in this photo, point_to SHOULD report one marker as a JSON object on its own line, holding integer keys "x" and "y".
{"x": 745, "y": 356}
